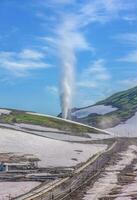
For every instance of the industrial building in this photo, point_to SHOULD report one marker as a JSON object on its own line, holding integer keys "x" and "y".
{"x": 5, "y": 166}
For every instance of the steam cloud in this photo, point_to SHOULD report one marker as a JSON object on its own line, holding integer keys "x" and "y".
{"x": 68, "y": 60}
{"x": 67, "y": 82}
{"x": 70, "y": 39}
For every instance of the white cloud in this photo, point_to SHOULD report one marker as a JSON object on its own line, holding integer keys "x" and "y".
{"x": 31, "y": 54}
{"x": 130, "y": 18}
{"x": 62, "y": 1}
{"x": 20, "y": 62}
{"x": 52, "y": 89}
{"x": 131, "y": 57}
{"x": 103, "y": 11}
{"x": 127, "y": 38}
{"x": 95, "y": 75}
{"x": 54, "y": 3}
{"x": 70, "y": 23}
{"x": 87, "y": 84}
{"x": 69, "y": 36}
{"x": 128, "y": 83}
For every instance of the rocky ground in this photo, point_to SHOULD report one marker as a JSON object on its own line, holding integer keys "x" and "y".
{"x": 117, "y": 180}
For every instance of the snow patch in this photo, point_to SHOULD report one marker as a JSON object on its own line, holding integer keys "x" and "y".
{"x": 61, "y": 136}
{"x": 123, "y": 198}
{"x": 99, "y": 136}
{"x": 99, "y": 109}
{"x": 127, "y": 129}
{"x": 10, "y": 190}
{"x": 50, "y": 152}
{"x": 4, "y": 111}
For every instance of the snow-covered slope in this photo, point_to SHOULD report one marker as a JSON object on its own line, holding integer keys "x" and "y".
{"x": 98, "y": 109}
{"x": 114, "y": 111}
{"x": 126, "y": 129}
{"x": 9, "y": 190}
{"x": 50, "y": 152}
{"x": 4, "y": 111}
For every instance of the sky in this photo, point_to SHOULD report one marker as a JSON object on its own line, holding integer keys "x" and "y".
{"x": 98, "y": 36}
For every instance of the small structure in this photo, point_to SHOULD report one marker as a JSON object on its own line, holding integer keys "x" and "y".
{"x": 5, "y": 166}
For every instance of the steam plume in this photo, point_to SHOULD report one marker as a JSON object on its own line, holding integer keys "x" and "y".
{"x": 67, "y": 83}
{"x": 69, "y": 40}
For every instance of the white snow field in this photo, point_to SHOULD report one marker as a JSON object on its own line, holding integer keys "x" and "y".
{"x": 51, "y": 152}
{"x": 65, "y": 137}
{"x": 4, "y": 111}
{"x": 108, "y": 181}
{"x": 61, "y": 136}
{"x": 10, "y": 190}
{"x": 54, "y": 133}
{"x": 50, "y": 132}
{"x": 100, "y": 136}
{"x": 127, "y": 129}
{"x": 123, "y": 198}
{"x": 36, "y": 127}
{"x": 99, "y": 109}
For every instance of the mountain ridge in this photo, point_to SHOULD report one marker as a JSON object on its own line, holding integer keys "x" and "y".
{"x": 124, "y": 103}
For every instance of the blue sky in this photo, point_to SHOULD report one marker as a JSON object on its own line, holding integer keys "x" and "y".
{"x": 102, "y": 36}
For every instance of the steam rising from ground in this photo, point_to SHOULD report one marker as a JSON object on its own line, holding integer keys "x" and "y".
{"x": 70, "y": 36}
{"x": 69, "y": 41}
{"x": 66, "y": 88}
{"x": 67, "y": 57}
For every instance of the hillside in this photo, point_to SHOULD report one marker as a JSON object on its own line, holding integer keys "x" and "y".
{"x": 33, "y": 121}
{"x": 110, "y": 112}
